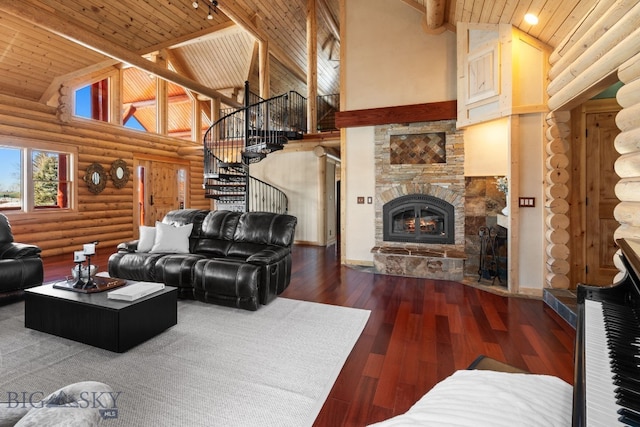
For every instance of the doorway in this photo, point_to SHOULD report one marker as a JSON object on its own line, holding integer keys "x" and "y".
{"x": 161, "y": 186}
{"x": 593, "y": 223}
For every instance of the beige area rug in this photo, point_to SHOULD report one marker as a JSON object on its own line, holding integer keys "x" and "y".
{"x": 217, "y": 367}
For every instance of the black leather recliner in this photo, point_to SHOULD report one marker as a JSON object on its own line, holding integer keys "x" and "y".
{"x": 20, "y": 264}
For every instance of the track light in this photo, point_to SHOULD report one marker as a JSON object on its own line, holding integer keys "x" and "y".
{"x": 213, "y": 7}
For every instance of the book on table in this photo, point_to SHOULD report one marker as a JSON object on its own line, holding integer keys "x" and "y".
{"x": 134, "y": 291}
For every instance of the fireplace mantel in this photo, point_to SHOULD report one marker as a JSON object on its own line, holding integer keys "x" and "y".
{"x": 432, "y": 111}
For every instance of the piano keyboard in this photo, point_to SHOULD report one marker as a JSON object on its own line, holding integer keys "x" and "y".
{"x": 610, "y": 392}
{"x": 601, "y": 407}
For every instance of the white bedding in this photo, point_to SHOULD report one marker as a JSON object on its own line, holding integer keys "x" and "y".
{"x": 479, "y": 398}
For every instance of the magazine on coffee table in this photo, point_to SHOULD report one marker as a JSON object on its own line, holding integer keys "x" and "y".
{"x": 134, "y": 291}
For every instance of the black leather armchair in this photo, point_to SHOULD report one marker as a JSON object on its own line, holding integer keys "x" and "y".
{"x": 20, "y": 264}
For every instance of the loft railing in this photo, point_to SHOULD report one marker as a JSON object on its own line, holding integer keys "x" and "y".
{"x": 327, "y": 106}
{"x": 271, "y": 122}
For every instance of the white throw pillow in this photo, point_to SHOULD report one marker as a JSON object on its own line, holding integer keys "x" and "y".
{"x": 147, "y": 238}
{"x": 170, "y": 239}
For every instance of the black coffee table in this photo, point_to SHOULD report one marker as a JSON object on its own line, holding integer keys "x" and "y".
{"x": 97, "y": 320}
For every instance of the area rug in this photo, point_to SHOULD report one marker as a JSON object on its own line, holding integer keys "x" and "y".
{"x": 217, "y": 367}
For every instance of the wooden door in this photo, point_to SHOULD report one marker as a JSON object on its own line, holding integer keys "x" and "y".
{"x": 601, "y": 199}
{"x": 161, "y": 188}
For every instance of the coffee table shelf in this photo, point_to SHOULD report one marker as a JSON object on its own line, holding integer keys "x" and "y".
{"x": 96, "y": 320}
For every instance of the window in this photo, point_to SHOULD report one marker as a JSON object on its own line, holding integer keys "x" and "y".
{"x": 92, "y": 101}
{"x": 139, "y": 105}
{"x": 35, "y": 179}
{"x": 50, "y": 179}
{"x": 10, "y": 179}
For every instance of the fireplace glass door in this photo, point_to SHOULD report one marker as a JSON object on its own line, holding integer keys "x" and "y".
{"x": 411, "y": 220}
{"x": 418, "y": 220}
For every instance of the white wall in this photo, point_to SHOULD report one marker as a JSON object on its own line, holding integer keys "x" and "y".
{"x": 297, "y": 174}
{"x": 486, "y": 151}
{"x": 359, "y": 233}
{"x": 531, "y": 247}
{"x": 388, "y": 60}
{"x": 391, "y": 61}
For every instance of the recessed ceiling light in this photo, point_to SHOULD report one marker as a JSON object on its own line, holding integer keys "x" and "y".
{"x": 531, "y": 19}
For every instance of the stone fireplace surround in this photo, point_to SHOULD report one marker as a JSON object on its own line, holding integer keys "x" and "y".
{"x": 443, "y": 180}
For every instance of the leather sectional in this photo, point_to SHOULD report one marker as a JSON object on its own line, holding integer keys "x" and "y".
{"x": 234, "y": 259}
{"x": 20, "y": 264}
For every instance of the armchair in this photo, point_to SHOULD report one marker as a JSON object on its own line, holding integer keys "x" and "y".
{"x": 20, "y": 264}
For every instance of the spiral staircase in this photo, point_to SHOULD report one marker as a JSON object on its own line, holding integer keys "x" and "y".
{"x": 244, "y": 137}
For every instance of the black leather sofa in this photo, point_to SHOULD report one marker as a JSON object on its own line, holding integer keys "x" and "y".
{"x": 235, "y": 259}
{"x": 20, "y": 264}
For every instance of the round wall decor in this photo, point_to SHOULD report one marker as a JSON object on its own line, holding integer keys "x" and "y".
{"x": 119, "y": 173}
{"x": 95, "y": 177}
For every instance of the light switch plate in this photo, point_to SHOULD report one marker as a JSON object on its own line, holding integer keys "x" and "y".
{"x": 526, "y": 202}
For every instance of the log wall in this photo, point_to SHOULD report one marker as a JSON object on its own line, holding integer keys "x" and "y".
{"x": 557, "y": 207}
{"x": 627, "y": 143}
{"x": 108, "y": 216}
{"x": 600, "y": 50}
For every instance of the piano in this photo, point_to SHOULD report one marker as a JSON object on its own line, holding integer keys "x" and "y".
{"x": 606, "y": 388}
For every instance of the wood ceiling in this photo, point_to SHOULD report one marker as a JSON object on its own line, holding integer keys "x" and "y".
{"x": 45, "y": 42}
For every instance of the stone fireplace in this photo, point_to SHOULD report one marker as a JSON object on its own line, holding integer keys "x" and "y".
{"x": 420, "y": 195}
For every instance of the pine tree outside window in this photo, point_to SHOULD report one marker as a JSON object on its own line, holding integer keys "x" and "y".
{"x": 50, "y": 181}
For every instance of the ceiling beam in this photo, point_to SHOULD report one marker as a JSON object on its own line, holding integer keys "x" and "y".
{"x": 70, "y": 31}
{"x": 153, "y": 102}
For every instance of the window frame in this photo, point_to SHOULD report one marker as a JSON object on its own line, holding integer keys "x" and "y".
{"x": 108, "y": 103}
{"x": 28, "y": 205}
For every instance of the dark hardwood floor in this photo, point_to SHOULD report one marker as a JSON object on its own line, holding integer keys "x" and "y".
{"x": 419, "y": 332}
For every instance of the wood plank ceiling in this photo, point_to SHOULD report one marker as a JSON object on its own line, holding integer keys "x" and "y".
{"x": 41, "y": 41}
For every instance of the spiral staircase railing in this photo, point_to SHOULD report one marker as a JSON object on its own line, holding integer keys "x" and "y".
{"x": 244, "y": 137}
